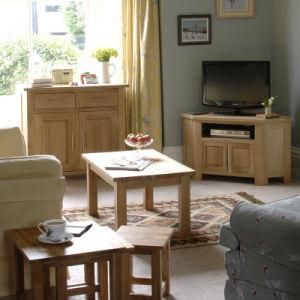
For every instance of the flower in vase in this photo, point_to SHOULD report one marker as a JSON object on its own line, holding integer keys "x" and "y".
{"x": 268, "y": 102}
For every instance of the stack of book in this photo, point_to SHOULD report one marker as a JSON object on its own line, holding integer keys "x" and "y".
{"x": 41, "y": 82}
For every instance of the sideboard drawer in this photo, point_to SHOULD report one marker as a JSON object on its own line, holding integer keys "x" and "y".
{"x": 97, "y": 99}
{"x": 54, "y": 101}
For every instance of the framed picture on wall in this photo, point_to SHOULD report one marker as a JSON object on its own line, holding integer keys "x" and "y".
{"x": 235, "y": 8}
{"x": 194, "y": 29}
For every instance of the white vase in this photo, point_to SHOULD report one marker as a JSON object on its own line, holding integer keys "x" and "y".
{"x": 107, "y": 70}
{"x": 268, "y": 110}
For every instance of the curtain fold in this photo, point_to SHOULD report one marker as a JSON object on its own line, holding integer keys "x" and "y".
{"x": 141, "y": 46}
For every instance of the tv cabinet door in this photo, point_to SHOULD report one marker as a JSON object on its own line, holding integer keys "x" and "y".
{"x": 214, "y": 157}
{"x": 241, "y": 159}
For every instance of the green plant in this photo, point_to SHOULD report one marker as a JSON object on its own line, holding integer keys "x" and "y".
{"x": 13, "y": 65}
{"x": 269, "y": 102}
{"x": 74, "y": 18}
{"x": 104, "y": 54}
{"x": 14, "y": 56}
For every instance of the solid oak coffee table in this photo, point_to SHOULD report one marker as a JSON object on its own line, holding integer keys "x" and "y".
{"x": 163, "y": 171}
{"x": 99, "y": 245}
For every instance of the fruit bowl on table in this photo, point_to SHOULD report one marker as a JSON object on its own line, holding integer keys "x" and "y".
{"x": 138, "y": 145}
{"x": 138, "y": 141}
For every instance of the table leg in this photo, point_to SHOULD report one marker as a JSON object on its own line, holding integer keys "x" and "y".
{"x": 103, "y": 279}
{"x": 89, "y": 274}
{"x": 19, "y": 273}
{"x": 166, "y": 269}
{"x": 120, "y": 204}
{"x": 156, "y": 274}
{"x": 91, "y": 179}
{"x": 61, "y": 282}
{"x": 148, "y": 198}
{"x": 47, "y": 287}
{"x": 184, "y": 209}
{"x": 37, "y": 281}
{"x": 119, "y": 276}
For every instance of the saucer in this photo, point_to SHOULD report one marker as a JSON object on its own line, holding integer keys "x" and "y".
{"x": 43, "y": 238}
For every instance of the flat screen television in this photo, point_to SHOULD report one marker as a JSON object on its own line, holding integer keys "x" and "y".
{"x": 235, "y": 84}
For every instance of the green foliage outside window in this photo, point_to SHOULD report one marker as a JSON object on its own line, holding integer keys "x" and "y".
{"x": 14, "y": 57}
{"x": 74, "y": 18}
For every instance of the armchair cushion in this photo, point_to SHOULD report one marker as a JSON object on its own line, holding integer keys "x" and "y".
{"x": 34, "y": 166}
{"x": 11, "y": 142}
{"x": 264, "y": 257}
{"x": 274, "y": 231}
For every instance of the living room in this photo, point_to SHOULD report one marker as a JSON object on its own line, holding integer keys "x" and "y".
{"x": 269, "y": 35}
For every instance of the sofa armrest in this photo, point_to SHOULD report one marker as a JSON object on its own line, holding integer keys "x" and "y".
{"x": 40, "y": 166}
{"x": 273, "y": 231}
{"x": 228, "y": 238}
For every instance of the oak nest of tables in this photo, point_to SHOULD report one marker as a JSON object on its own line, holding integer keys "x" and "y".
{"x": 99, "y": 246}
{"x": 164, "y": 171}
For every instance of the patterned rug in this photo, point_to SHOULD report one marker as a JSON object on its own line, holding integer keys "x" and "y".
{"x": 207, "y": 215}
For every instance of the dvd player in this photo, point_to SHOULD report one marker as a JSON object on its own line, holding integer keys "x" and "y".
{"x": 240, "y": 134}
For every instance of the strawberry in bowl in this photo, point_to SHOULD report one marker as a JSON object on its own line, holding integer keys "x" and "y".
{"x": 138, "y": 140}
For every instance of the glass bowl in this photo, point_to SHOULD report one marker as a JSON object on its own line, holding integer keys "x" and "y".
{"x": 138, "y": 145}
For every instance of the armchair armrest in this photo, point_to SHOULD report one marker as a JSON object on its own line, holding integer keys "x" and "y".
{"x": 24, "y": 167}
{"x": 273, "y": 231}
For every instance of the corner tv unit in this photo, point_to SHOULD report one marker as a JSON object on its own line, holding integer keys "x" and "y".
{"x": 235, "y": 85}
{"x": 250, "y": 147}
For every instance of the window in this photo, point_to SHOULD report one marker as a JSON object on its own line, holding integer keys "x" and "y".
{"x": 57, "y": 33}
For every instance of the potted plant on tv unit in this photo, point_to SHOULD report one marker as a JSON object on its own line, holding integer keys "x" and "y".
{"x": 268, "y": 105}
{"x": 103, "y": 55}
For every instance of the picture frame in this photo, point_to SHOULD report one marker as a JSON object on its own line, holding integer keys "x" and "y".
{"x": 194, "y": 29}
{"x": 235, "y": 8}
{"x": 89, "y": 79}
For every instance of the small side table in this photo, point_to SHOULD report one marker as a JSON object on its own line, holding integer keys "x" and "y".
{"x": 98, "y": 245}
{"x": 153, "y": 241}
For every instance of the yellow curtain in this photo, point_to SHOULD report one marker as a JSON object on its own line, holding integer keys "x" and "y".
{"x": 142, "y": 68}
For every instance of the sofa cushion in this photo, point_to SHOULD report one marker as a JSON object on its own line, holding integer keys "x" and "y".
{"x": 34, "y": 166}
{"x": 243, "y": 290}
{"x": 274, "y": 231}
{"x": 250, "y": 266}
{"x": 11, "y": 142}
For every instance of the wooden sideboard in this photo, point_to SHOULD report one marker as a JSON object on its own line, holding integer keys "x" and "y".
{"x": 66, "y": 121}
{"x": 266, "y": 153}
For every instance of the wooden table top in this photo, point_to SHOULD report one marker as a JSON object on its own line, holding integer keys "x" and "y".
{"x": 150, "y": 237}
{"x": 99, "y": 239}
{"x": 162, "y": 166}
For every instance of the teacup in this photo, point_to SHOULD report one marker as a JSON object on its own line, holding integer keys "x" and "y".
{"x": 54, "y": 229}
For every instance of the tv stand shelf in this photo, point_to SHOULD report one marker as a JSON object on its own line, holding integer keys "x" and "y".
{"x": 265, "y": 154}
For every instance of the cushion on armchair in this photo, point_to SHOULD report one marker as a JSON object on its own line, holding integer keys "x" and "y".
{"x": 264, "y": 260}
{"x": 11, "y": 142}
{"x": 272, "y": 230}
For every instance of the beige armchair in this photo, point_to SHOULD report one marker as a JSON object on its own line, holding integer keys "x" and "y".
{"x": 31, "y": 190}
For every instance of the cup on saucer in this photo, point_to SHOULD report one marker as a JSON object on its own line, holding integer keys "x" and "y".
{"x": 53, "y": 229}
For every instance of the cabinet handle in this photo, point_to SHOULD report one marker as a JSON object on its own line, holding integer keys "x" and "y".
{"x": 72, "y": 141}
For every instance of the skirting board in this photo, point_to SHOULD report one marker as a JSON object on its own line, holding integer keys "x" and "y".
{"x": 295, "y": 162}
{"x": 175, "y": 152}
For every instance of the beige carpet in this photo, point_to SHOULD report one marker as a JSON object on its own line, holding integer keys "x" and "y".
{"x": 207, "y": 215}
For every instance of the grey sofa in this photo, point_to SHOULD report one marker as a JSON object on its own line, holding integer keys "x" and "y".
{"x": 263, "y": 260}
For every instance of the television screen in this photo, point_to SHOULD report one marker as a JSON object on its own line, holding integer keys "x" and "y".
{"x": 235, "y": 84}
